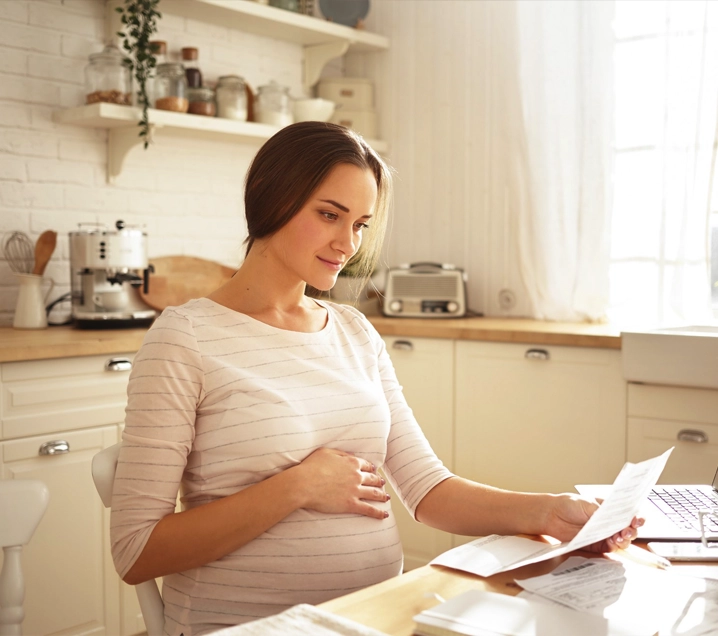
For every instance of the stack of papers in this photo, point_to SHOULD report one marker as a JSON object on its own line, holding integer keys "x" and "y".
{"x": 644, "y": 599}
{"x": 597, "y": 596}
{"x": 632, "y": 606}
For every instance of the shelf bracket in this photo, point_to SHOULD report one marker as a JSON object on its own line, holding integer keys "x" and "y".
{"x": 120, "y": 142}
{"x": 316, "y": 56}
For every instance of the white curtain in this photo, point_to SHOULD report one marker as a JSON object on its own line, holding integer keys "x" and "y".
{"x": 566, "y": 86}
{"x": 667, "y": 104}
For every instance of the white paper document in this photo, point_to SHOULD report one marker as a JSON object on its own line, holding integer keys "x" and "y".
{"x": 646, "y": 600}
{"x": 700, "y": 613}
{"x": 492, "y": 554}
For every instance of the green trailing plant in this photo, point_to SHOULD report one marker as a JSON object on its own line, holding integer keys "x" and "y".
{"x": 139, "y": 18}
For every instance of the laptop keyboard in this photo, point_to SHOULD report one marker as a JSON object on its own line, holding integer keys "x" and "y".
{"x": 681, "y": 505}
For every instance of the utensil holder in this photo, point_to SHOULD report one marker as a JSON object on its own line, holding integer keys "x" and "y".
{"x": 30, "y": 308}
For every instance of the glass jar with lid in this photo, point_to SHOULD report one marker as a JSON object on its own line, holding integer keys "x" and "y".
{"x": 201, "y": 101}
{"x": 190, "y": 61}
{"x": 232, "y": 97}
{"x": 171, "y": 88}
{"x": 274, "y": 105}
{"x": 107, "y": 78}
{"x": 159, "y": 50}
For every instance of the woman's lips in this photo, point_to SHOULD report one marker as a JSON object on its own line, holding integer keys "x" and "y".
{"x": 335, "y": 265}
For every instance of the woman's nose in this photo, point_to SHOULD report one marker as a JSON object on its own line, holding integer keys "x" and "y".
{"x": 346, "y": 241}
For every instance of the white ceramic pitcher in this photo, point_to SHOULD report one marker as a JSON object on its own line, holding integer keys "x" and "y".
{"x": 30, "y": 309}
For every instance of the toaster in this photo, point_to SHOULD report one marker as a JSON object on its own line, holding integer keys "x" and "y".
{"x": 425, "y": 290}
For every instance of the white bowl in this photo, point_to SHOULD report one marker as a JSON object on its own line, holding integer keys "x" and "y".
{"x": 316, "y": 109}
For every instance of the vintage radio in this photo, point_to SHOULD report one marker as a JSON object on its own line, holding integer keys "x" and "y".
{"x": 425, "y": 290}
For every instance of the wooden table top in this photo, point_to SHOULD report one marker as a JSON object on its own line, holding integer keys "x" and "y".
{"x": 391, "y": 605}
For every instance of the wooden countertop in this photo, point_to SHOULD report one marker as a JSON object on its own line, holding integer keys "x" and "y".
{"x": 63, "y": 342}
{"x": 523, "y": 330}
{"x": 66, "y": 342}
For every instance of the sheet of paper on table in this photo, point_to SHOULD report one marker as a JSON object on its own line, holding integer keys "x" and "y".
{"x": 648, "y": 600}
{"x": 492, "y": 554}
{"x": 481, "y": 613}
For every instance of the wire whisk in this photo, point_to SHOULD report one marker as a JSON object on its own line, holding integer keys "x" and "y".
{"x": 19, "y": 252}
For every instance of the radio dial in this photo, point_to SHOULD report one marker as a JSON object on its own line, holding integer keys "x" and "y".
{"x": 452, "y": 307}
{"x": 395, "y": 306}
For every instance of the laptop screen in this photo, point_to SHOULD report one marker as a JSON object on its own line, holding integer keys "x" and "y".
{"x": 715, "y": 482}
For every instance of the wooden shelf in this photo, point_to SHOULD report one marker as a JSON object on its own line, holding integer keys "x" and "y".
{"x": 322, "y": 40}
{"x": 121, "y": 121}
{"x": 259, "y": 19}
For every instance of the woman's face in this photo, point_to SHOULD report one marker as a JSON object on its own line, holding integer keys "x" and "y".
{"x": 319, "y": 240}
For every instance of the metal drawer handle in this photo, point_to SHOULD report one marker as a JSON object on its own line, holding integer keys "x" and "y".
{"x": 692, "y": 435}
{"x": 537, "y": 354}
{"x": 56, "y": 447}
{"x": 403, "y": 345}
{"x": 118, "y": 364}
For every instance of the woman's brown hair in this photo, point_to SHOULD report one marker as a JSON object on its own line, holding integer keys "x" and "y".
{"x": 293, "y": 163}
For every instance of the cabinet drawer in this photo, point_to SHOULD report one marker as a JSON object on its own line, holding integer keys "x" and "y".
{"x": 694, "y": 458}
{"x": 46, "y": 396}
{"x": 673, "y": 403}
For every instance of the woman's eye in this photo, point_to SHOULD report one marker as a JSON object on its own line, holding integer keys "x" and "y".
{"x": 361, "y": 226}
{"x": 331, "y": 216}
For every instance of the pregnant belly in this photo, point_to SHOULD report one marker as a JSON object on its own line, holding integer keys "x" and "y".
{"x": 321, "y": 556}
{"x": 307, "y": 558}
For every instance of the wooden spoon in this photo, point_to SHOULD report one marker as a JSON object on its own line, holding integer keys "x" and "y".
{"x": 44, "y": 248}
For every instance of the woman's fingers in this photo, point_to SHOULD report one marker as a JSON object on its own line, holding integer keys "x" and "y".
{"x": 366, "y": 509}
{"x": 622, "y": 540}
{"x": 372, "y": 479}
{"x": 373, "y": 494}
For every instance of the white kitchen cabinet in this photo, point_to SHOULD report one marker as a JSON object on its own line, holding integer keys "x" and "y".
{"x": 55, "y": 415}
{"x": 71, "y": 586}
{"x": 687, "y": 419}
{"x": 538, "y": 418}
{"x": 425, "y": 368}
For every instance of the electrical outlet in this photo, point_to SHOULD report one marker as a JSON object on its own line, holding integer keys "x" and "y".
{"x": 507, "y": 299}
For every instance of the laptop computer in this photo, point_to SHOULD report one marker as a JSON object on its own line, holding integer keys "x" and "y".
{"x": 671, "y": 512}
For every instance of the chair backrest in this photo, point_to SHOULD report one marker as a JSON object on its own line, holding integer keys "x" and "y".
{"x": 22, "y": 505}
{"x": 104, "y": 465}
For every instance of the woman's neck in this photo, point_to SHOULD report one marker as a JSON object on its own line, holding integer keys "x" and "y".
{"x": 257, "y": 291}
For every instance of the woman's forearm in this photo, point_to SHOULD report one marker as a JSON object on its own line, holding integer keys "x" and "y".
{"x": 195, "y": 537}
{"x": 465, "y": 507}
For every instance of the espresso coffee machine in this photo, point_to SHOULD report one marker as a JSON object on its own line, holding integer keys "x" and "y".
{"x": 108, "y": 267}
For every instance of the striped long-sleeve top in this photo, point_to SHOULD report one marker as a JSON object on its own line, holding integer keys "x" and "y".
{"x": 219, "y": 401}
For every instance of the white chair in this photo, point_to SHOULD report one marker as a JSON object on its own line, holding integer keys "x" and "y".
{"x": 22, "y": 504}
{"x": 104, "y": 465}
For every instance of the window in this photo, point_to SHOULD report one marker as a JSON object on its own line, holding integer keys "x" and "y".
{"x": 666, "y": 93}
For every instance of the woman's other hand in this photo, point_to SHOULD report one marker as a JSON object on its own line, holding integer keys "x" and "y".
{"x": 333, "y": 481}
{"x": 568, "y": 515}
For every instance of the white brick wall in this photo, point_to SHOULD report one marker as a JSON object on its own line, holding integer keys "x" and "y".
{"x": 442, "y": 116}
{"x": 186, "y": 191}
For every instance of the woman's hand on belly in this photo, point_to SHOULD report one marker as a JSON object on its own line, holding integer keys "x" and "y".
{"x": 333, "y": 482}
